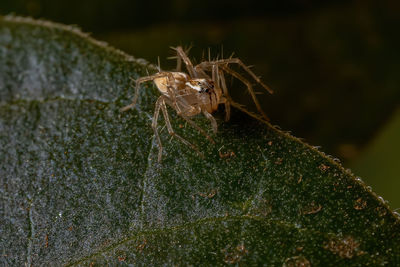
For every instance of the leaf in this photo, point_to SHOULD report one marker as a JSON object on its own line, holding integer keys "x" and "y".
{"x": 80, "y": 181}
{"x": 372, "y": 163}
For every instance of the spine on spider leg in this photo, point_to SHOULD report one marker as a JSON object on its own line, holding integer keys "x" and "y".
{"x": 132, "y": 105}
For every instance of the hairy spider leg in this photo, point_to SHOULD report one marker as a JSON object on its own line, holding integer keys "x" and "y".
{"x": 225, "y": 91}
{"x": 178, "y": 58}
{"x": 219, "y": 80}
{"x": 249, "y": 88}
{"x": 192, "y": 123}
{"x": 182, "y": 55}
{"x": 241, "y": 108}
{"x": 240, "y": 63}
{"x": 201, "y": 73}
{"x": 178, "y": 64}
{"x": 214, "y": 124}
{"x": 146, "y": 79}
{"x": 214, "y": 73}
{"x": 160, "y": 104}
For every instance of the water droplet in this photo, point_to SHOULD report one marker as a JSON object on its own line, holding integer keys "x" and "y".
{"x": 358, "y": 179}
{"x": 396, "y": 214}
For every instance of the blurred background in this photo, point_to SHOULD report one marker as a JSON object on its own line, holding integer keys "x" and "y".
{"x": 334, "y": 65}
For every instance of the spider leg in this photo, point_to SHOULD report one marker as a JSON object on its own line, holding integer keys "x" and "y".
{"x": 154, "y": 126}
{"x": 178, "y": 64}
{"x": 212, "y": 120}
{"x": 201, "y": 73}
{"x": 162, "y": 100}
{"x": 172, "y": 93}
{"x": 192, "y": 123}
{"x": 249, "y": 88}
{"x": 225, "y": 62}
{"x": 181, "y": 54}
{"x": 225, "y": 100}
{"x": 219, "y": 79}
{"x": 214, "y": 74}
{"x": 146, "y": 79}
{"x": 241, "y": 108}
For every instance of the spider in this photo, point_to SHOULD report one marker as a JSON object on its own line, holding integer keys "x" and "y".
{"x": 201, "y": 90}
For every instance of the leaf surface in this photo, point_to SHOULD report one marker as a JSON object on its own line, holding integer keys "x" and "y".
{"x": 80, "y": 181}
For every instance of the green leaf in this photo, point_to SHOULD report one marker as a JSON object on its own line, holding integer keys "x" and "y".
{"x": 80, "y": 181}
{"x": 374, "y": 166}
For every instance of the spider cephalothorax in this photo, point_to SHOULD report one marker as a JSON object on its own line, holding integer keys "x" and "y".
{"x": 199, "y": 91}
{"x": 208, "y": 95}
{"x": 201, "y": 85}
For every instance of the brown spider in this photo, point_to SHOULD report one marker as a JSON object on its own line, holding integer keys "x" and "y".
{"x": 199, "y": 91}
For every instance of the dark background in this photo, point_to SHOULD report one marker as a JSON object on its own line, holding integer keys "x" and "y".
{"x": 334, "y": 65}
